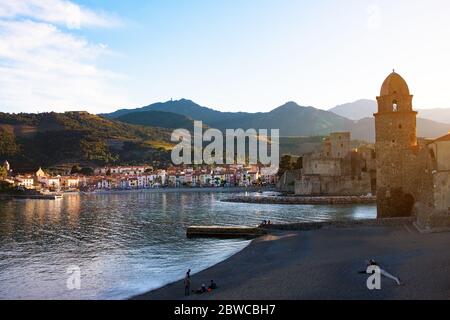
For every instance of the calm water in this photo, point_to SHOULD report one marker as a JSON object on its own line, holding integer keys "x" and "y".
{"x": 126, "y": 243}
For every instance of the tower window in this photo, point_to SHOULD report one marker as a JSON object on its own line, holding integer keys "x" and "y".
{"x": 394, "y": 106}
{"x": 399, "y": 126}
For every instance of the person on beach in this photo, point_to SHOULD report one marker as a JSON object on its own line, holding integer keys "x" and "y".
{"x": 213, "y": 285}
{"x": 383, "y": 272}
{"x": 187, "y": 283}
{"x": 201, "y": 290}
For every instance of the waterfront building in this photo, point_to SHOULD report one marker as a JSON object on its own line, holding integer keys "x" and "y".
{"x": 333, "y": 170}
{"x": 26, "y": 182}
{"x": 70, "y": 182}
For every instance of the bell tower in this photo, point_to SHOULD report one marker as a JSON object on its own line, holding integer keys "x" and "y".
{"x": 395, "y": 128}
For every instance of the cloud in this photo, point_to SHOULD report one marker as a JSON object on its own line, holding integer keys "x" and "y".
{"x": 60, "y": 12}
{"x": 45, "y": 67}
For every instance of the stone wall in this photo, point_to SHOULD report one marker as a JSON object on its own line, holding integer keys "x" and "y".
{"x": 340, "y": 144}
{"x": 306, "y": 226}
{"x": 286, "y": 183}
{"x": 331, "y": 185}
{"x": 321, "y": 166}
{"x": 441, "y": 182}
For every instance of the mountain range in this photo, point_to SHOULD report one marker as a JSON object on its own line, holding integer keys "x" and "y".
{"x": 142, "y": 135}
{"x": 292, "y": 119}
{"x": 364, "y": 108}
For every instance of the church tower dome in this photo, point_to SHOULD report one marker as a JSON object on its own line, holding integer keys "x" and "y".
{"x": 394, "y": 95}
{"x": 394, "y": 84}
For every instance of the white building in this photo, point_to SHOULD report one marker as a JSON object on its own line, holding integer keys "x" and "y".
{"x": 25, "y": 181}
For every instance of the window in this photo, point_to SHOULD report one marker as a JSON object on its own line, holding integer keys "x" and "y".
{"x": 399, "y": 126}
{"x": 394, "y": 106}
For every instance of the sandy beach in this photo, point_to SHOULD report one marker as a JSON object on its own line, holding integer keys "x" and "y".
{"x": 324, "y": 264}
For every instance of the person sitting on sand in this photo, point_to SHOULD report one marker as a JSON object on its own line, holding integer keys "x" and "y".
{"x": 384, "y": 273}
{"x": 213, "y": 285}
{"x": 201, "y": 290}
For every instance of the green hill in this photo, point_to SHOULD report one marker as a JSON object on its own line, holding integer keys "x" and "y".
{"x": 158, "y": 119}
{"x": 49, "y": 139}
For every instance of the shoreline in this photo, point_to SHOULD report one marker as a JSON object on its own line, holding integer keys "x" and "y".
{"x": 156, "y": 190}
{"x": 180, "y": 190}
{"x": 323, "y": 261}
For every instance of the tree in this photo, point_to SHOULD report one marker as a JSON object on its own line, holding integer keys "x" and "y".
{"x": 87, "y": 171}
{"x": 285, "y": 164}
{"x": 75, "y": 169}
{"x": 8, "y": 146}
{"x": 299, "y": 163}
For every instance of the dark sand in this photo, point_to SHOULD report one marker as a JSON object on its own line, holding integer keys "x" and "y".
{"x": 324, "y": 264}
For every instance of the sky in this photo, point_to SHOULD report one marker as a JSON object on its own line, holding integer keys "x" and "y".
{"x": 230, "y": 55}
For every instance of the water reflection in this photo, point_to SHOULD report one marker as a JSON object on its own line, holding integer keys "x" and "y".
{"x": 125, "y": 243}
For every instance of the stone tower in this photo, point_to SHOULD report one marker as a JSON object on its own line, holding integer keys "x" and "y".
{"x": 396, "y": 146}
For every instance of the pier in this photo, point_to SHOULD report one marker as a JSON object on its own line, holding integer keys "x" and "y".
{"x": 224, "y": 232}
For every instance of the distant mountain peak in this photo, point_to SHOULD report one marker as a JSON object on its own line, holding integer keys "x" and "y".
{"x": 356, "y": 110}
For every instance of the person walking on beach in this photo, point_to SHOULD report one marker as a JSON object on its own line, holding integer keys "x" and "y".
{"x": 187, "y": 283}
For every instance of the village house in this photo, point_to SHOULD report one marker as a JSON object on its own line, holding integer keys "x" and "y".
{"x": 70, "y": 182}
{"x": 26, "y": 182}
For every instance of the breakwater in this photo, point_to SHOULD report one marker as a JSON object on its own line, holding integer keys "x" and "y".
{"x": 303, "y": 200}
{"x": 306, "y": 226}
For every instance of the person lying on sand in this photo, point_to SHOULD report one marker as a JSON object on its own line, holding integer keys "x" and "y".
{"x": 384, "y": 273}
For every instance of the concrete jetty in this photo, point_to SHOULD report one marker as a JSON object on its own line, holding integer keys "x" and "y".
{"x": 224, "y": 232}
{"x": 294, "y": 200}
